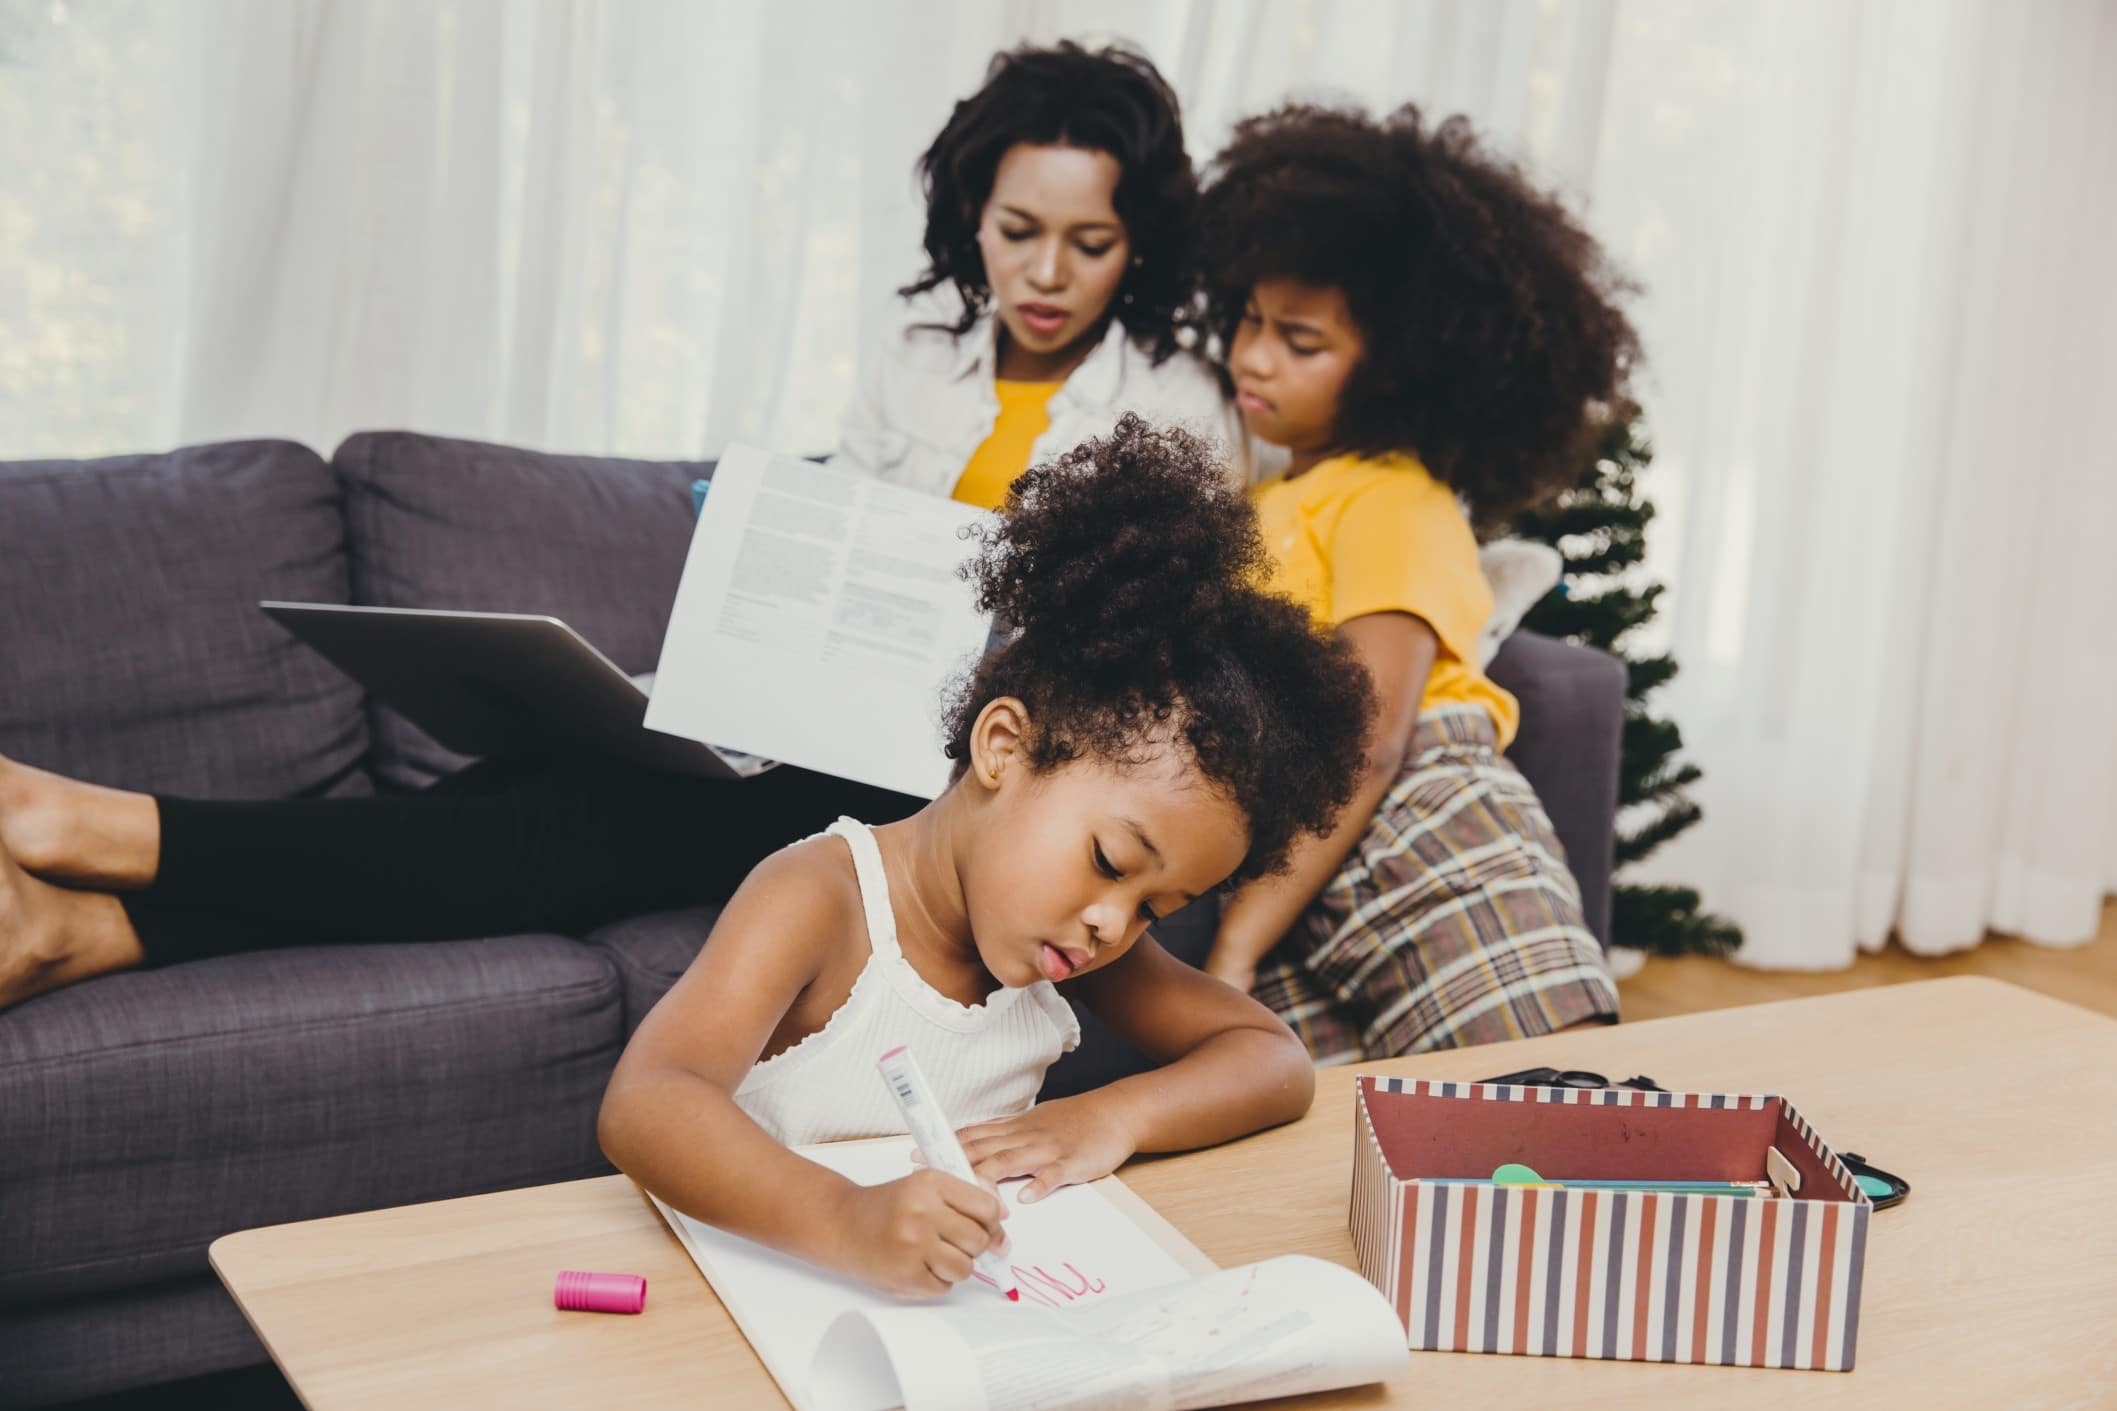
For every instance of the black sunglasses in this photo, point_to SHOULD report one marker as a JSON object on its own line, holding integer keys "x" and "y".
{"x": 1571, "y": 1078}
{"x": 1884, "y": 1188}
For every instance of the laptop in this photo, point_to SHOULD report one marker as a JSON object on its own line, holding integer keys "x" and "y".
{"x": 485, "y": 683}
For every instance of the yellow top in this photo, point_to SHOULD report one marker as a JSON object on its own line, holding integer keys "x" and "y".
{"x": 1355, "y": 536}
{"x": 1025, "y": 414}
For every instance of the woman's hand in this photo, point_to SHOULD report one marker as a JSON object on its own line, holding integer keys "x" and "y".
{"x": 916, "y": 1236}
{"x": 1058, "y": 1143}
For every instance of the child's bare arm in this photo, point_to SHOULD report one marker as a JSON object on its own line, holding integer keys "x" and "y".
{"x": 1229, "y": 1067}
{"x": 1398, "y": 651}
{"x": 670, "y": 1121}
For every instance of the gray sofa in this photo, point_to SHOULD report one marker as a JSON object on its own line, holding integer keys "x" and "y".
{"x": 145, "y": 1114}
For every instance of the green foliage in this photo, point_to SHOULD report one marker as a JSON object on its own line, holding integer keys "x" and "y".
{"x": 1644, "y": 674}
{"x": 1667, "y": 921}
{"x": 1599, "y": 526}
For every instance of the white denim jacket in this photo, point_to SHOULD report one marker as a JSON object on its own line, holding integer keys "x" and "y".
{"x": 927, "y": 403}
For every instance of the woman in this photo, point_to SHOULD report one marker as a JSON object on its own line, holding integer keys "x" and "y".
{"x": 1059, "y": 210}
{"x": 1059, "y": 206}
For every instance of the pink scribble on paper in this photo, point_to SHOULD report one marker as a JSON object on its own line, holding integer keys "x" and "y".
{"x": 1040, "y": 1285}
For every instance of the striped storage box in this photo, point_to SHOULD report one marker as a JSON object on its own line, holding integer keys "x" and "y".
{"x": 1642, "y": 1276}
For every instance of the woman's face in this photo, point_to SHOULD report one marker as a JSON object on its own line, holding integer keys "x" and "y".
{"x": 1294, "y": 349}
{"x": 1054, "y": 249}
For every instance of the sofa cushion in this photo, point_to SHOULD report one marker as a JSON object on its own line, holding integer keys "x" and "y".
{"x": 147, "y": 1114}
{"x": 434, "y": 522}
{"x": 650, "y": 952}
{"x": 131, "y": 648}
{"x": 1569, "y": 749}
{"x": 56, "y": 1353}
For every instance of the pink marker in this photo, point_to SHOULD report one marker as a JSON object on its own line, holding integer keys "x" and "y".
{"x": 599, "y": 1293}
{"x": 936, "y": 1140}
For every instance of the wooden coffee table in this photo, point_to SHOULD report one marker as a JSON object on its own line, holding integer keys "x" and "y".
{"x": 1995, "y": 1284}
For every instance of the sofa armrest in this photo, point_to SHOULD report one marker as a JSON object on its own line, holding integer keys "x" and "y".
{"x": 1572, "y": 735}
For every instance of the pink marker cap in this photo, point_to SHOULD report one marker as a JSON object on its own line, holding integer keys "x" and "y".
{"x": 600, "y": 1293}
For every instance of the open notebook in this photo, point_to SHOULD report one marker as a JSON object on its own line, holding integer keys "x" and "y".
{"x": 1118, "y": 1310}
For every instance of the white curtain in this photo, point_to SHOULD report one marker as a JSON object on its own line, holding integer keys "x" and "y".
{"x": 1874, "y": 240}
{"x": 641, "y": 225}
{"x": 1878, "y": 244}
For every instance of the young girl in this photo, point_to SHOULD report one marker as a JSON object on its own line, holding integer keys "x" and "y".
{"x": 1156, "y": 725}
{"x": 1413, "y": 323}
{"x": 1060, "y": 202}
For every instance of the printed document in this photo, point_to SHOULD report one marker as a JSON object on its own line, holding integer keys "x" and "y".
{"x": 820, "y": 619}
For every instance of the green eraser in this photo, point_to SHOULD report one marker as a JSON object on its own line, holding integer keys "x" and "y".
{"x": 1876, "y": 1187}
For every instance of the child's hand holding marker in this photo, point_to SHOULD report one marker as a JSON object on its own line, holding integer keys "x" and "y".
{"x": 920, "y": 1236}
{"x": 938, "y": 1148}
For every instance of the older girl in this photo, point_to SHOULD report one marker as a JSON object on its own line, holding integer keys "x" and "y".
{"x": 1419, "y": 328}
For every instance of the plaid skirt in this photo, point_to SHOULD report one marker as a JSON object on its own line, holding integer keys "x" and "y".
{"x": 1454, "y": 920}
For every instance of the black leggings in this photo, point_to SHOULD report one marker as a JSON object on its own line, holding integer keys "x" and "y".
{"x": 510, "y": 844}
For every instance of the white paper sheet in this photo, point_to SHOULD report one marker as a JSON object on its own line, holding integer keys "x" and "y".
{"x": 1279, "y": 1328}
{"x": 1072, "y": 1249}
{"x": 818, "y": 622}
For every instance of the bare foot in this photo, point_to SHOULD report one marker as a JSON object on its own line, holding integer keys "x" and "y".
{"x": 50, "y": 936}
{"x": 65, "y": 830}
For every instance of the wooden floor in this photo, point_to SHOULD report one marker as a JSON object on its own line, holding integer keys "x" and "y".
{"x": 2086, "y": 976}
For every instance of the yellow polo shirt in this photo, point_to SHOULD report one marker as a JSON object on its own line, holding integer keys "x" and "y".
{"x": 1025, "y": 414}
{"x": 1354, "y": 536}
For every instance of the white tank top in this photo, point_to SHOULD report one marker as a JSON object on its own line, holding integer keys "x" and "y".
{"x": 983, "y": 1060}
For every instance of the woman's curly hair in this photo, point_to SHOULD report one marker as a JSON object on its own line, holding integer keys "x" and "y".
{"x": 1103, "y": 100}
{"x": 1129, "y": 570}
{"x": 1495, "y": 347}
